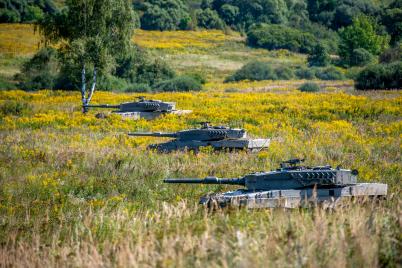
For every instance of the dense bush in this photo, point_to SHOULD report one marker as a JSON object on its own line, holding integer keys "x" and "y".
{"x": 49, "y": 69}
{"x": 340, "y": 13}
{"x": 200, "y": 77}
{"x": 179, "y": 83}
{"x": 319, "y": 57}
{"x": 360, "y": 57}
{"x": 284, "y": 73}
{"x": 329, "y": 73}
{"x": 11, "y": 107}
{"x": 309, "y": 87}
{"x": 391, "y": 17}
{"x": 139, "y": 68}
{"x": 254, "y": 71}
{"x": 209, "y": 19}
{"x": 165, "y": 15}
{"x": 138, "y": 88}
{"x": 305, "y": 73}
{"x": 280, "y": 37}
{"x": 392, "y": 54}
{"x": 380, "y": 76}
{"x": 12, "y": 11}
{"x": 6, "y": 84}
{"x": 363, "y": 33}
{"x": 241, "y": 14}
{"x": 40, "y": 71}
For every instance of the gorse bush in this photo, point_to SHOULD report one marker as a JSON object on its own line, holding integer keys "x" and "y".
{"x": 380, "y": 76}
{"x": 179, "y": 83}
{"x": 280, "y": 37}
{"x": 309, "y": 87}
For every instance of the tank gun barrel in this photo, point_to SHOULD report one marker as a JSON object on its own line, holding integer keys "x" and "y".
{"x": 208, "y": 180}
{"x": 102, "y": 106}
{"x": 152, "y": 134}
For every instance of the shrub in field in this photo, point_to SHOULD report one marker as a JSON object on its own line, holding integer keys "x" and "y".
{"x": 319, "y": 57}
{"x": 200, "y": 77}
{"x": 40, "y": 72}
{"x": 179, "y": 83}
{"x": 305, "y": 73}
{"x": 11, "y": 107}
{"x": 138, "y": 88}
{"x": 254, "y": 71}
{"x": 209, "y": 19}
{"x": 272, "y": 36}
{"x": 360, "y": 57}
{"x": 309, "y": 87}
{"x": 137, "y": 67}
{"x": 164, "y": 15}
{"x": 381, "y": 76}
{"x": 329, "y": 73}
{"x": 6, "y": 84}
{"x": 284, "y": 73}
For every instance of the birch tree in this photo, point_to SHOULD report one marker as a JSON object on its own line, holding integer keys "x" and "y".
{"x": 91, "y": 34}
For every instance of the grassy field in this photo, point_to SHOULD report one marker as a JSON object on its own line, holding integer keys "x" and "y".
{"x": 77, "y": 191}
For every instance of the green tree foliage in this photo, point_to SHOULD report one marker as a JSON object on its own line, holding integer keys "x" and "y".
{"x": 380, "y": 76}
{"x": 392, "y": 54}
{"x": 305, "y": 73}
{"x": 272, "y": 36}
{"x": 165, "y": 15}
{"x": 137, "y": 67}
{"x": 94, "y": 33}
{"x": 363, "y": 33}
{"x": 25, "y": 10}
{"x": 392, "y": 19}
{"x": 319, "y": 56}
{"x": 244, "y": 13}
{"x": 209, "y": 19}
{"x": 339, "y": 13}
{"x": 360, "y": 57}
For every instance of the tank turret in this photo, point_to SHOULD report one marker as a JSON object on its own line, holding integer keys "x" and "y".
{"x": 291, "y": 183}
{"x": 219, "y": 137}
{"x": 142, "y": 105}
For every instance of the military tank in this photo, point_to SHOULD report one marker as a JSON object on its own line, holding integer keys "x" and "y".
{"x": 290, "y": 186}
{"x": 218, "y": 137}
{"x": 142, "y": 105}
